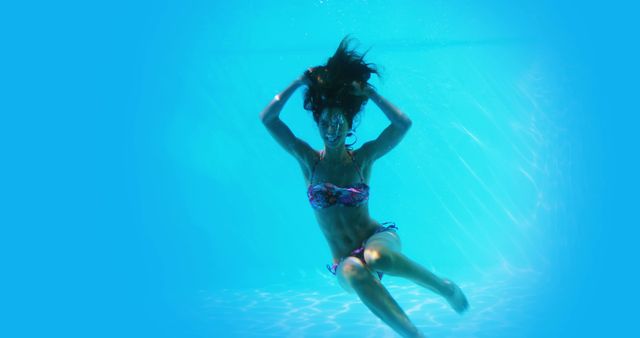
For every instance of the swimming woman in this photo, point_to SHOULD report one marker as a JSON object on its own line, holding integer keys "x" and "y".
{"x": 337, "y": 178}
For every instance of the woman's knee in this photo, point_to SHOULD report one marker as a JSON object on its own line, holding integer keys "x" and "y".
{"x": 352, "y": 271}
{"x": 378, "y": 258}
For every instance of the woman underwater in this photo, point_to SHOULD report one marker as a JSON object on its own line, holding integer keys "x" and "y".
{"x": 363, "y": 249}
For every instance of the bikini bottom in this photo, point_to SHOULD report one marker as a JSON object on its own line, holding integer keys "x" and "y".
{"x": 359, "y": 252}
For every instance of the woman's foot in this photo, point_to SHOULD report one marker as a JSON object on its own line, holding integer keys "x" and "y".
{"x": 456, "y": 298}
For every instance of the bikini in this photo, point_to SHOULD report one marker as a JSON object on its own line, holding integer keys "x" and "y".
{"x": 325, "y": 195}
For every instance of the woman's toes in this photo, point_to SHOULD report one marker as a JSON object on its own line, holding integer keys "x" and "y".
{"x": 456, "y": 298}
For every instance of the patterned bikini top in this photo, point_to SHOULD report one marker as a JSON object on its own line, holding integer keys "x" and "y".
{"x": 324, "y": 195}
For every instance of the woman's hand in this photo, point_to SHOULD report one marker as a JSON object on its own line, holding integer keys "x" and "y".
{"x": 304, "y": 78}
{"x": 360, "y": 90}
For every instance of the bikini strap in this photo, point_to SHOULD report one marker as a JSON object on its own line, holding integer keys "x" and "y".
{"x": 356, "y": 165}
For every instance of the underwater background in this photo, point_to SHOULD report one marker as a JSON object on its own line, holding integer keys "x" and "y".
{"x": 141, "y": 195}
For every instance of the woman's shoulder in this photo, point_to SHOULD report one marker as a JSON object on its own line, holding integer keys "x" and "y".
{"x": 311, "y": 157}
{"x": 359, "y": 157}
{"x": 311, "y": 161}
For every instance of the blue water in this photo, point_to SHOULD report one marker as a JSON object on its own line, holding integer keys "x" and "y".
{"x": 143, "y": 197}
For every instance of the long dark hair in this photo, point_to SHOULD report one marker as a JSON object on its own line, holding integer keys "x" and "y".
{"x": 330, "y": 85}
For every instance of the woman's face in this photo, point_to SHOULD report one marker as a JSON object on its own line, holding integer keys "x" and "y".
{"x": 333, "y": 127}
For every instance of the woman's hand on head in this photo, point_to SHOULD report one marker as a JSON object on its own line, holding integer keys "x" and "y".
{"x": 305, "y": 78}
{"x": 302, "y": 79}
{"x": 360, "y": 89}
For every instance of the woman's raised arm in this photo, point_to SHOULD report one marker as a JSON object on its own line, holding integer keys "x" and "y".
{"x": 270, "y": 117}
{"x": 272, "y": 111}
{"x": 390, "y": 136}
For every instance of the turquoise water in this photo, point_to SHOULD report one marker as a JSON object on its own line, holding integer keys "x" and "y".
{"x": 476, "y": 186}
{"x": 316, "y": 306}
{"x": 143, "y": 196}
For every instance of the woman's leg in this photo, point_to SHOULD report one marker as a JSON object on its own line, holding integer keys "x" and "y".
{"x": 354, "y": 276}
{"x": 382, "y": 253}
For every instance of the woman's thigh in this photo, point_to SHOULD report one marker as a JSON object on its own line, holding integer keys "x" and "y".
{"x": 388, "y": 240}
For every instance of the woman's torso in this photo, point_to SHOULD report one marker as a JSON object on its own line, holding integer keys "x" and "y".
{"x": 344, "y": 226}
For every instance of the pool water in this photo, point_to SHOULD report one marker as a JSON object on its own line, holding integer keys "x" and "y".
{"x": 144, "y": 197}
{"x": 315, "y": 306}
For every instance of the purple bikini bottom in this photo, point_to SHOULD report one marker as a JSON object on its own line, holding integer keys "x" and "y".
{"x": 359, "y": 252}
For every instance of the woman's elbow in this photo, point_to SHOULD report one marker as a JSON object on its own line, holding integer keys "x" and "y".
{"x": 265, "y": 117}
{"x": 402, "y": 125}
{"x": 406, "y": 123}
